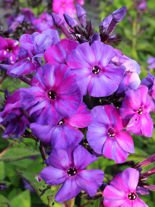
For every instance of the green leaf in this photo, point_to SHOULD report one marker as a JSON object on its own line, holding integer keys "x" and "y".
{"x": 2, "y": 170}
{"x": 4, "y": 201}
{"x": 23, "y": 199}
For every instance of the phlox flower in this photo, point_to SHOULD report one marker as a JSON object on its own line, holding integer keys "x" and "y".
{"x": 61, "y": 130}
{"x": 122, "y": 190}
{"x": 43, "y": 22}
{"x": 67, "y": 167}
{"x": 31, "y": 53}
{"x": 13, "y": 118}
{"x": 64, "y": 6}
{"x": 135, "y": 110}
{"x": 131, "y": 77}
{"x": 106, "y": 134}
{"x": 95, "y": 72}
{"x": 52, "y": 86}
{"x": 8, "y": 50}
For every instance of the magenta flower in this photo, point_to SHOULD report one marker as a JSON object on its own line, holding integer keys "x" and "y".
{"x": 61, "y": 130}
{"x": 68, "y": 168}
{"x": 55, "y": 87}
{"x": 94, "y": 70}
{"x": 122, "y": 190}
{"x": 135, "y": 110}
{"x": 8, "y": 50}
{"x": 13, "y": 118}
{"x": 106, "y": 134}
{"x": 59, "y": 52}
{"x": 64, "y": 6}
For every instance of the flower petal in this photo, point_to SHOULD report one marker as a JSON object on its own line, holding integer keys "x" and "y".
{"x": 90, "y": 180}
{"x": 82, "y": 158}
{"x": 69, "y": 190}
{"x": 53, "y": 176}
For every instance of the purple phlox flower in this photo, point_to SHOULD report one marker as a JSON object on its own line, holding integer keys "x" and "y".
{"x": 131, "y": 77}
{"x": 95, "y": 72}
{"x": 149, "y": 81}
{"x": 106, "y": 134}
{"x": 8, "y": 50}
{"x": 25, "y": 17}
{"x": 68, "y": 168}
{"x": 151, "y": 62}
{"x": 122, "y": 190}
{"x": 59, "y": 52}
{"x": 135, "y": 110}
{"x": 108, "y": 25}
{"x": 38, "y": 42}
{"x": 52, "y": 86}
{"x": 31, "y": 54}
{"x": 61, "y": 130}
{"x": 43, "y": 22}
{"x": 141, "y": 5}
{"x": 13, "y": 118}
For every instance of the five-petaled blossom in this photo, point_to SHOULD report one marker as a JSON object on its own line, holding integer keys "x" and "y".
{"x": 52, "y": 86}
{"x": 122, "y": 190}
{"x": 67, "y": 167}
{"x": 61, "y": 130}
{"x": 135, "y": 110}
{"x": 95, "y": 72}
{"x": 106, "y": 134}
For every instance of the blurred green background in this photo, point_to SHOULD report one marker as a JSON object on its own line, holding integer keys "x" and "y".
{"x": 20, "y": 161}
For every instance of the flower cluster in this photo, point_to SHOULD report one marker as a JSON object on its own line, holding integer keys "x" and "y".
{"x": 84, "y": 99}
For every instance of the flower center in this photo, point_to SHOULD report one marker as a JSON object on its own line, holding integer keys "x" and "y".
{"x": 61, "y": 122}
{"x": 72, "y": 171}
{"x": 132, "y": 196}
{"x": 140, "y": 111}
{"x": 9, "y": 49}
{"x": 52, "y": 95}
{"x": 96, "y": 69}
{"x": 111, "y": 132}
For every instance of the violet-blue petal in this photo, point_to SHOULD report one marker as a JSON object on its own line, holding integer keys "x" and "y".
{"x": 53, "y": 176}
{"x": 78, "y": 155}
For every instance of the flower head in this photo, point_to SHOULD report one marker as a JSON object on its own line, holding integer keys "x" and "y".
{"x": 68, "y": 168}
{"x": 13, "y": 118}
{"x": 135, "y": 110}
{"x": 95, "y": 72}
{"x": 61, "y": 130}
{"x": 43, "y": 22}
{"x": 106, "y": 134}
{"x": 131, "y": 77}
{"x": 55, "y": 87}
{"x": 64, "y": 6}
{"x": 122, "y": 190}
{"x": 9, "y": 49}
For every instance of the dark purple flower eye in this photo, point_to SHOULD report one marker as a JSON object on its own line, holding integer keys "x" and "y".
{"x": 111, "y": 132}
{"x": 52, "y": 95}
{"x": 140, "y": 111}
{"x": 72, "y": 171}
{"x": 61, "y": 122}
{"x": 96, "y": 69}
{"x": 132, "y": 196}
